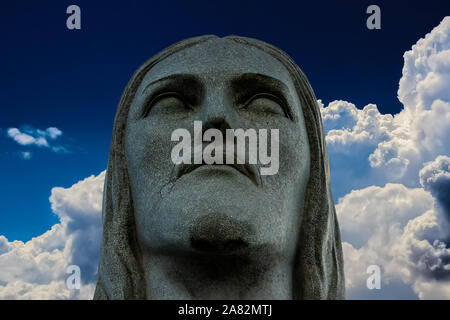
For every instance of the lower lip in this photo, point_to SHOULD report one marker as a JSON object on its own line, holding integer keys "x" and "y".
{"x": 222, "y": 168}
{"x": 216, "y": 167}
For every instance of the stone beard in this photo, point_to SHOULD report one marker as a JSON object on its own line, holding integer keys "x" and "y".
{"x": 218, "y": 231}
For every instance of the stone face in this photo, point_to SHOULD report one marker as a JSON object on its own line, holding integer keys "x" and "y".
{"x": 181, "y": 231}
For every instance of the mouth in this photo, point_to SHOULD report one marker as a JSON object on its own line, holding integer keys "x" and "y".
{"x": 247, "y": 170}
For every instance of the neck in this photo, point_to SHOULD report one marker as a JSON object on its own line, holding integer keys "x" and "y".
{"x": 211, "y": 276}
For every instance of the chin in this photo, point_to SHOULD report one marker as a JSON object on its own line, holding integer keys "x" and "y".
{"x": 218, "y": 233}
{"x": 211, "y": 217}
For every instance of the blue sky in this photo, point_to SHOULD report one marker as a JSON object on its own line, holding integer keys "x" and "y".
{"x": 390, "y": 174}
{"x": 72, "y": 80}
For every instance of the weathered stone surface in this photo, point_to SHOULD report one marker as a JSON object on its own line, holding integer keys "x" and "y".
{"x": 215, "y": 232}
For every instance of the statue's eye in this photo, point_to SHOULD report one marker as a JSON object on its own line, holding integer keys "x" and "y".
{"x": 167, "y": 103}
{"x": 265, "y": 103}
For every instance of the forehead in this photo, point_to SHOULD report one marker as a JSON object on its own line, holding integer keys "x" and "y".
{"x": 220, "y": 58}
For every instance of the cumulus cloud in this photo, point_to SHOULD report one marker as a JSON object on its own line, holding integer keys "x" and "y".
{"x": 37, "y": 269}
{"x": 375, "y": 211}
{"x": 435, "y": 177}
{"x": 426, "y": 69}
{"x": 396, "y": 228}
{"x": 394, "y": 207}
{"x": 432, "y": 290}
{"x": 394, "y": 148}
{"x": 4, "y": 245}
{"x": 79, "y": 209}
{"x": 353, "y": 136}
{"x": 346, "y": 126}
{"x": 36, "y": 137}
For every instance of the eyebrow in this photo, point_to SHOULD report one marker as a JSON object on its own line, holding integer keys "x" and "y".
{"x": 172, "y": 77}
{"x": 242, "y": 84}
{"x": 247, "y": 79}
{"x": 253, "y": 82}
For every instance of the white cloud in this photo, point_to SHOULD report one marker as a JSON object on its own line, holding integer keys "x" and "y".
{"x": 435, "y": 178}
{"x": 79, "y": 209}
{"x": 37, "y": 269}
{"x": 426, "y": 69}
{"x": 36, "y": 137}
{"x": 434, "y": 173}
{"x": 393, "y": 176}
{"x": 4, "y": 245}
{"x": 348, "y": 126}
{"x": 364, "y": 214}
{"x": 397, "y": 229}
{"x": 53, "y": 132}
{"x": 396, "y": 147}
{"x": 26, "y": 139}
{"x": 432, "y": 290}
{"x": 26, "y": 155}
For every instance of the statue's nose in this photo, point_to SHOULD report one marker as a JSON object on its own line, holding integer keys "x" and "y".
{"x": 218, "y": 112}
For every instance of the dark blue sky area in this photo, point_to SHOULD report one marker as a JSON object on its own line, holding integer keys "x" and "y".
{"x": 72, "y": 80}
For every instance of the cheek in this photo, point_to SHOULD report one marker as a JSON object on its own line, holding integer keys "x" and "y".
{"x": 295, "y": 169}
{"x": 148, "y": 150}
{"x": 294, "y": 161}
{"x": 295, "y": 154}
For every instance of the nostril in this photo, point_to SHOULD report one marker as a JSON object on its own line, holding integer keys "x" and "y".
{"x": 216, "y": 123}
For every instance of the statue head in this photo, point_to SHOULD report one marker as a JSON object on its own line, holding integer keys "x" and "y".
{"x": 219, "y": 224}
